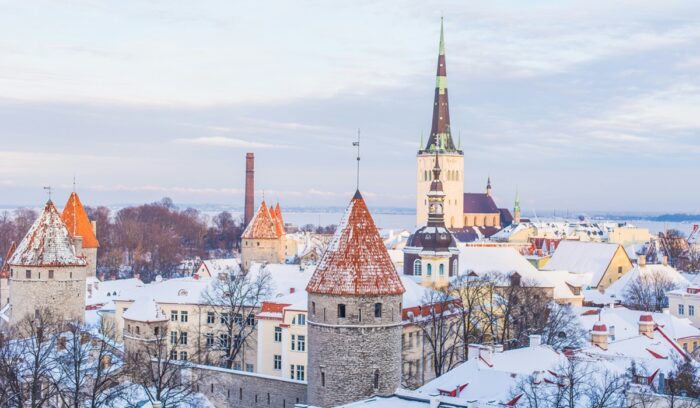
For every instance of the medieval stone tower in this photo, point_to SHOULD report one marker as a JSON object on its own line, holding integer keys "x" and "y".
{"x": 264, "y": 238}
{"x": 451, "y": 157}
{"x": 47, "y": 270}
{"x": 354, "y": 315}
{"x": 78, "y": 224}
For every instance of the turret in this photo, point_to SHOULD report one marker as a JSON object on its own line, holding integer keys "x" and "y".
{"x": 354, "y": 319}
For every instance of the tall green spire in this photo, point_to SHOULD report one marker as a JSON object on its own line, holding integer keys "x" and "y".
{"x": 517, "y": 199}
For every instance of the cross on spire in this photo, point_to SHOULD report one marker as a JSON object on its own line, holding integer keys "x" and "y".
{"x": 357, "y": 144}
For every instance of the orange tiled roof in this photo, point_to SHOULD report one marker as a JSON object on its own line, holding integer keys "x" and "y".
{"x": 77, "y": 222}
{"x": 279, "y": 222}
{"x": 262, "y": 226}
{"x": 356, "y": 262}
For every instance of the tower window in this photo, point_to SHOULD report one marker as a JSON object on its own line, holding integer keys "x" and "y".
{"x": 341, "y": 311}
{"x": 377, "y": 310}
{"x": 28, "y": 274}
{"x": 313, "y": 308}
{"x": 430, "y": 270}
{"x": 417, "y": 268}
{"x": 376, "y": 379}
{"x": 441, "y": 269}
{"x": 323, "y": 379}
{"x": 50, "y": 273}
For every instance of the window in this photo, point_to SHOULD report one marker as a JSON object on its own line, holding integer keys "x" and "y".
{"x": 50, "y": 273}
{"x": 301, "y": 343}
{"x": 173, "y": 354}
{"x": 173, "y": 337}
{"x": 183, "y": 337}
{"x": 249, "y": 367}
{"x": 224, "y": 340}
{"x": 313, "y": 308}
{"x": 237, "y": 366}
{"x": 681, "y": 310}
{"x": 291, "y": 371}
{"x": 225, "y": 318}
{"x": 278, "y": 334}
{"x": 301, "y": 320}
{"x": 430, "y": 270}
{"x": 238, "y": 319}
{"x": 183, "y": 317}
{"x": 323, "y": 379}
{"x": 619, "y": 269}
{"x": 691, "y": 310}
{"x": 417, "y": 268}
{"x": 173, "y": 316}
{"x": 300, "y": 372}
{"x": 376, "y": 379}
{"x": 156, "y": 331}
{"x": 441, "y": 269}
{"x": 138, "y": 330}
{"x": 210, "y": 340}
{"x": 341, "y": 311}
{"x": 211, "y": 318}
{"x": 377, "y": 310}
{"x": 250, "y": 320}
{"x": 455, "y": 268}
{"x": 183, "y": 355}
{"x": 70, "y": 274}
{"x": 28, "y": 274}
{"x": 128, "y": 328}
{"x": 293, "y": 342}
{"x": 277, "y": 362}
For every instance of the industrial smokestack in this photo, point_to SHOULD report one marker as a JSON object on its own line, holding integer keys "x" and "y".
{"x": 249, "y": 187}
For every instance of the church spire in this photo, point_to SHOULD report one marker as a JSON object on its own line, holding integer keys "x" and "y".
{"x": 516, "y": 207}
{"x": 440, "y": 134}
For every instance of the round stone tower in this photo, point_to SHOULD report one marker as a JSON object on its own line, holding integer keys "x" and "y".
{"x": 47, "y": 271}
{"x": 354, "y": 315}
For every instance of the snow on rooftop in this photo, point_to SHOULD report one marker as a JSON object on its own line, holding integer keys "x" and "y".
{"x": 583, "y": 257}
{"x": 145, "y": 309}
{"x": 101, "y": 292}
{"x": 47, "y": 243}
{"x": 650, "y": 271}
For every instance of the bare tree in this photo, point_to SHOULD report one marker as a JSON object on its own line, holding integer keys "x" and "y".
{"x": 475, "y": 308}
{"x": 523, "y": 308}
{"x": 233, "y": 298}
{"x": 562, "y": 328}
{"x": 153, "y": 367}
{"x": 439, "y": 327}
{"x": 648, "y": 292}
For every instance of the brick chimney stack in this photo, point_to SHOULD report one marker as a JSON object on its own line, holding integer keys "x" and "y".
{"x": 249, "y": 188}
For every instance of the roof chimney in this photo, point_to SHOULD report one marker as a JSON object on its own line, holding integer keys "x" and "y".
{"x": 535, "y": 340}
{"x": 599, "y": 335}
{"x": 249, "y": 188}
{"x": 646, "y": 325}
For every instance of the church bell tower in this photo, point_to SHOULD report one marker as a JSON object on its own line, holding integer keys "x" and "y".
{"x": 451, "y": 157}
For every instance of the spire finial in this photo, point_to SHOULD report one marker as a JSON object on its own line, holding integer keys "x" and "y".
{"x": 421, "y": 139}
{"x": 48, "y": 190}
{"x": 442, "y": 37}
{"x": 357, "y": 144}
{"x": 74, "y": 182}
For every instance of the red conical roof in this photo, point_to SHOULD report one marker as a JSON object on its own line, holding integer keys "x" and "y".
{"x": 77, "y": 222}
{"x": 279, "y": 222}
{"x": 262, "y": 226}
{"x": 47, "y": 243}
{"x": 356, "y": 262}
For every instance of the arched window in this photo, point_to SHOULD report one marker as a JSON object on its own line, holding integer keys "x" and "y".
{"x": 455, "y": 268}
{"x": 441, "y": 269}
{"x": 376, "y": 379}
{"x": 417, "y": 268}
{"x": 430, "y": 270}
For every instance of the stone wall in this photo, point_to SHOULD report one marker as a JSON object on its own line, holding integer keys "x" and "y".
{"x": 63, "y": 294}
{"x": 230, "y": 388}
{"x": 262, "y": 251}
{"x": 345, "y": 354}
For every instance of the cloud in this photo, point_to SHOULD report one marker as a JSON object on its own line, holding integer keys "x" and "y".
{"x": 230, "y": 142}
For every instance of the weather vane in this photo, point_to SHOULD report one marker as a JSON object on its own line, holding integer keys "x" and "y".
{"x": 357, "y": 144}
{"x": 48, "y": 189}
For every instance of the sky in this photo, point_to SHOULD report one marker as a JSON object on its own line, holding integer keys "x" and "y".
{"x": 580, "y": 105}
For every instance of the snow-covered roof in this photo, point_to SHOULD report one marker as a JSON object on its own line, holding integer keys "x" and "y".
{"x": 491, "y": 376}
{"x": 47, "y": 243}
{"x": 618, "y": 288}
{"x": 145, "y": 309}
{"x": 213, "y": 267}
{"x": 264, "y": 224}
{"x": 583, "y": 257}
{"x": 101, "y": 292}
{"x": 356, "y": 262}
{"x": 285, "y": 278}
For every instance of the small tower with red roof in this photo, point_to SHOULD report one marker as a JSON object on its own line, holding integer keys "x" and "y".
{"x": 354, "y": 323}
{"x": 264, "y": 238}
{"x": 78, "y": 224}
{"x": 47, "y": 270}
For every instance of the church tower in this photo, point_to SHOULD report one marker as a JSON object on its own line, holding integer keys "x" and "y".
{"x": 354, "y": 323}
{"x": 451, "y": 157}
{"x": 516, "y": 208}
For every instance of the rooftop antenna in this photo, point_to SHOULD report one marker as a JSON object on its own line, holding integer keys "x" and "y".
{"x": 357, "y": 144}
{"x": 48, "y": 189}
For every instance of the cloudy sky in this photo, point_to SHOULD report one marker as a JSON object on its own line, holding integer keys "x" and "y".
{"x": 584, "y": 105}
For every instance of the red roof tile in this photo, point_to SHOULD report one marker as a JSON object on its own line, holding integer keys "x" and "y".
{"x": 279, "y": 222}
{"x": 47, "y": 243}
{"x": 262, "y": 226}
{"x": 77, "y": 222}
{"x": 356, "y": 262}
